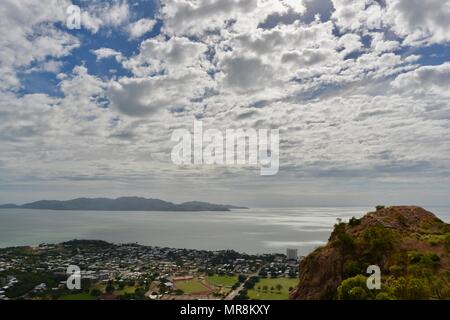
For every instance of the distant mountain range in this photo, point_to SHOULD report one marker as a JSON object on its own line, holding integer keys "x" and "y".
{"x": 121, "y": 204}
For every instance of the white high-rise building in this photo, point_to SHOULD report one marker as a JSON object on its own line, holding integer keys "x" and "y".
{"x": 292, "y": 254}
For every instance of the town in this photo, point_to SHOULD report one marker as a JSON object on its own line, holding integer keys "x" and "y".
{"x": 136, "y": 272}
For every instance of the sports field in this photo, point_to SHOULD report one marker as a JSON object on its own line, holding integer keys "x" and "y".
{"x": 224, "y": 281}
{"x": 191, "y": 286}
{"x": 266, "y": 289}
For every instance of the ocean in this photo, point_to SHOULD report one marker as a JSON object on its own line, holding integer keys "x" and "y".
{"x": 268, "y": 230}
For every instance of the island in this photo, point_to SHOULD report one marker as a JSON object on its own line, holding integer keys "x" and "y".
{"x": 121, "y": 204}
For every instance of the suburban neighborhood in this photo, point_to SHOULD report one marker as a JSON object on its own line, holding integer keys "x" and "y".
{"x": 132, "y": 271}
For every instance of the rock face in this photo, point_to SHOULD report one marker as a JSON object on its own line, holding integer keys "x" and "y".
{"x": 400, "y": 240}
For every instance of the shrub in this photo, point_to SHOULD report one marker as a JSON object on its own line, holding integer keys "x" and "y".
{"x": 110, "y": 287}
{"x": 358, "y": 293}
{"x": 354, "y": 289}
{"x": 179, "y": 292}
{"x": 351, "y": 268}
{"x": 353, "y": 222}
{"x": 434, "y": 240}
{"x": 424, "y": 260}
{"x": 384, "y": 296}
{"x": 447, "y": 242}
{"x": 396, "y": 270}
{"x": 411, "y": 288}
{"x": 417, "y": 289}
{"x": 379, "y": 239}
{"x": 95, "y": 292}
{"x": 378, "y": 208}
{"x": 343, "y": 239}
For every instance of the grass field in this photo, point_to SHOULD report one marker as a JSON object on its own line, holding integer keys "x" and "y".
{"x": 99, "y": 286}
{"x": 224, "y": 281}
{"x": 79, "y": 296}
{"x": 126, "y": 289}
{"x": 256, "y": 294}
{"x": 191, "y": 286}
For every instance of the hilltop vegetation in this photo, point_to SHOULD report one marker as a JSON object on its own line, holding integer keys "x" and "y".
{"x": 409, "y": 244}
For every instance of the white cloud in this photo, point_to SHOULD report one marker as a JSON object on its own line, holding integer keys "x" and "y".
{"x": 50, "y": 66}
{"x": 139, "y": 28}
{"x": 326, "y": 84}
{"x": 420, "y": 22}
{"x": 104, "y": 53}
{"x": 184, "y": 17}
{"x": 28, "y": 34}
{"x": 177, "y": 55}
{"x": 416, "y": 22}
{"x": 426, "y": 79}
{"x": 140, "y": 97}
{"x": 100, "y": 15}
{"x": 246, "y": 74}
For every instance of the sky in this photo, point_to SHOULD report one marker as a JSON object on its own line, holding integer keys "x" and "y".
{"x": 359, "y": 90}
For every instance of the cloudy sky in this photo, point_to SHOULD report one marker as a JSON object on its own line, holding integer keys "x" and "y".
{"x": 358, "y": 88}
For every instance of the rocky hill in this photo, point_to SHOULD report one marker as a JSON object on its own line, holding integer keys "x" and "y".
{"x": 409, "y": 244}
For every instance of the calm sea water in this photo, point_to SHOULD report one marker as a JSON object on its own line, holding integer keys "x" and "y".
{"x": 250, "y": 231}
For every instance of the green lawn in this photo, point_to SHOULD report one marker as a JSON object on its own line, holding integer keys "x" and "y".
{"x": 256, "y": 294}
{"x": 191, "y": 286}
{"x": 126, "y": 289}
{"x": 79, "y": 296}
{"x": 99, "y": 286}
{"x": 224, "y": 281}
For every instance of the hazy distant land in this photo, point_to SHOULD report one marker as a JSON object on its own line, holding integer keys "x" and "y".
{"x": 121, "y": 204}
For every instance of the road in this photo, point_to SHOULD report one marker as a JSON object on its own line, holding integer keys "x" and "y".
{"x": 235, "y": 292}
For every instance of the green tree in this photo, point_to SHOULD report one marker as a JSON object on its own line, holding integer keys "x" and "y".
{"x": 354, "y": 289}
{"x": 353, "y": 222}
{"x": 95, "y": 292}
{"x": 410, "y": 288}
{"x": 139, "y": 293}
{"x": 379, "y": 239}
{"x": 179, "y": 292}
{"x": 343, "y": 239}
{"x": 447, "y": 242}
{"x": 110, "y": 287}
{"x": 351, "y": 268}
